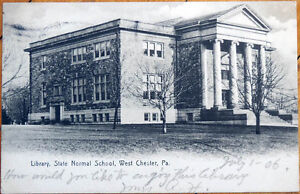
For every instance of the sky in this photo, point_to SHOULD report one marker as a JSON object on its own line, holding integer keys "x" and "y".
{"x": 28, "y": 22}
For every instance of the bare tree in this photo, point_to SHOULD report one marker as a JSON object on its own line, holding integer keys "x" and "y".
{"x": 262, "y": 81}
{"x": 116, "y": 86}
{"x": 285, "y": 99}
{"x": 160, "y": 86}
{"x": 5, "y": 119}
{"x": 7, "y": 62}
{"x": 16, "y": 103}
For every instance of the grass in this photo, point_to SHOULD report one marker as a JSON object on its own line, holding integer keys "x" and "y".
{"x": 144, "y": 139}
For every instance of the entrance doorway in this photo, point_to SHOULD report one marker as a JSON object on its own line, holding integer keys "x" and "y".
{"x": 57, "y": 113}
{"x": 225, "y": 98}
{"x": 190, "y": 117}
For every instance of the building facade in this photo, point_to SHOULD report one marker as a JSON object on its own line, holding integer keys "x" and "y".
{"x": 83, "y": 76}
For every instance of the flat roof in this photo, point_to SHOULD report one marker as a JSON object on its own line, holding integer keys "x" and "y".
{"x": 122, "y": 24}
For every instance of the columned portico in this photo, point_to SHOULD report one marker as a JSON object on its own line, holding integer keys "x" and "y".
{"x": 233, "y": 75}
{"x": 226, "y": 46}
{"x": 248, "y": 74}
{"x": 217, "y": 73}
{"x": 233, "y": 49}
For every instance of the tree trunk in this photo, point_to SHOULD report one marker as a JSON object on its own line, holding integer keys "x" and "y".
{"x": 257, "y": 116}
{"x": 115, "y": 118}
{"x": 165, "y": 119}
{"x": 164, "y": 126}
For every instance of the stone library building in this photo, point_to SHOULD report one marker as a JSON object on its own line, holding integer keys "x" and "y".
{"x": 73, "y": 75}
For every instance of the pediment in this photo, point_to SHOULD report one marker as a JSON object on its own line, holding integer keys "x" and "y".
{"x": 243, "y": 16}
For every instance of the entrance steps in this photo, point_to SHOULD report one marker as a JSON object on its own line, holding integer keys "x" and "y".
{"x": 239, "y": 117}
{"x": 288, "y": 117}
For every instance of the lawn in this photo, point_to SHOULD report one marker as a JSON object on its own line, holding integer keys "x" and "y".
{"x": 143, "y": 139}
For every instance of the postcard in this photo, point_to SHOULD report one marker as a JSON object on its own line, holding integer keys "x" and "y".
{"x": 156, "y": 97}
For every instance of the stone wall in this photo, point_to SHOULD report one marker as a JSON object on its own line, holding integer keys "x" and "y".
{"x": 60, "y": 71}
{"x": 188, "y": 67}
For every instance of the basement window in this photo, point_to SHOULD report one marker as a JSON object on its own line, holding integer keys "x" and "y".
{"x": 154, "y": 116}
{"x": 94, "y": 118}
{"x": 146, "y": 116}
{"x": 83, "y": 118}
{"x": 101, "y": 117}
{"x": 107, "y": 117}
{"x": 72, "y": 118}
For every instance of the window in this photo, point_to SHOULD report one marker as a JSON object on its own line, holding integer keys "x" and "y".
{"x": 145, "y": 87}
{"x": 225, "y": 74}
{"x": 154, "y": 116}
{"x": 94, "y": 118}
{"x": 145, "y": 47}
{"x": 159, "y": 50}
{"x": 101, "y": 87}
{"x": 153, "y": 49}
{"x": 72, "y": 118}
{"x": 107, "y": 117}
{"x": 152, "y": 86}
{"x": 146, "y": 116}
{"x": 44, "y": 61}
{"x": 161, "y": 117}
{"x": 44, "y": 94}
{"x": 57, "y": 91}
{"x": 77, "y": 118}
{"x": 158, "y": 86}
{"x": 83, "y": 118}
{"x": 101, "y": 117}
{"x": 254, "y": 60}
{"x": 102, "y": 50}
{"x": 79, "y": 90}
{"x": 78, "y": 55}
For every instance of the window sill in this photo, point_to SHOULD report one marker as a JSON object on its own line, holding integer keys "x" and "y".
{"x": 101, "y": 58}
{"x": 154, "y": 57}
{"x": 77, "y": 63}
{"x": 43, "y": 106}
{"x": 78, "y": 103}
{"x": 101, "y": 101}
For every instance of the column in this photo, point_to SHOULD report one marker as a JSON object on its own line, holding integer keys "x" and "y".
{"x": 233, "y": 75}
{"x": 61, "y": 112}
{"x": 248, "y": 74}
{"x": 262, "y": 61}
{"x": 204, "y": 75}
{"x": 217, "y": 73}
{"x": 52, "y": 113}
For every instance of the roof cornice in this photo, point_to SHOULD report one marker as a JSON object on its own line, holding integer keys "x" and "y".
{"x": 119, "y": 24}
